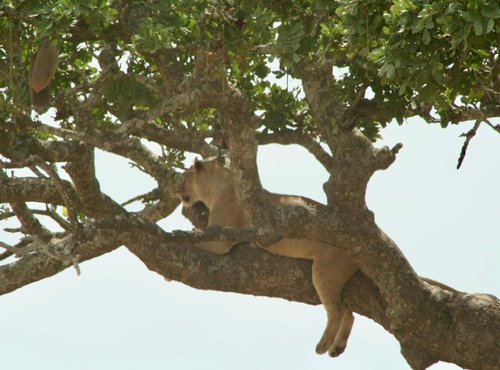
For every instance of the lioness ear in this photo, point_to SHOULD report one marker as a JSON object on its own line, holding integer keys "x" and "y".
{"x": 198, "y": 165}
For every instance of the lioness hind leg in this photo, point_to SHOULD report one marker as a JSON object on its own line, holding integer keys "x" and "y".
{"x": 216, "y": 247}
{"x": 329, "y": 295}
{"x": 340, "y": 341}
{"x": 332, "y": 327}
{"x": 330, "y": 272}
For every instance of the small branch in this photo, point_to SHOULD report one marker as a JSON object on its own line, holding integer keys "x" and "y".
{"x": 65, "y": 195}
{"x": 144, "y": 198}
{"x": 36, "y": 266}
{"x": 52, "y": 213}
{"x": 299, "y": 138}
{"x": 359, "y": 97}
{"x": 482, "y": 113}
{"x": 468, "y": 136}
{"x": 179, "y": 138}
{"x": 10, "y": 165}
{"x": 159, "y": 210}
{"x": 384, "y": 157}
{"x": 29, "y": 223}
{"x": 6, "y": 255}
{"x": 494, "y": 127}
{"x": 13, "y": 230}
{"x": 22, "y": 248}
{"x": 23, "y": 213}
{"x": 49, "y": 212}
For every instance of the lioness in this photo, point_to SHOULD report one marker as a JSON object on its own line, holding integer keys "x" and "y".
{"x": 208, "y": 181}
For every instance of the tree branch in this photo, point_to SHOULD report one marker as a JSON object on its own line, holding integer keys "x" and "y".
{"x": 39, "y": 265}
{"x": 299, "y": 138}
{"x": 257, "y": 272}
{"x": 468, "y": 136}
{"x": 18, "y": 148}
{"x": 446, "y": 314}
{"x": 240, "y": 123}
{"x": 82, "y": 172}
{"x": 31, "y": 189}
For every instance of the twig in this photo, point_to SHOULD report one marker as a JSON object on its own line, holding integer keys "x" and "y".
{"x": 494, "y": 127}
{"x": 468, "y": 136}
{"x": 147, "y": 197}
{"x": 51, "y": 212}
{"x": 6, "y": 215}
{"x": 22, "y": 248}
{"x": 360, "y": 96}
{"x": 33, "y": 161}
{"x": 37, "y": 172}
{"x": 13, "y": 230}
{"x": 9, "y": 165}
{"x": 5, "y": 255}
{"x": 58, "y": 183}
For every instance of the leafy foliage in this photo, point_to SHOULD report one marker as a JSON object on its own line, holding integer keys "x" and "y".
{"x": 409, "y": 56}
{"x": 151, "y": 80}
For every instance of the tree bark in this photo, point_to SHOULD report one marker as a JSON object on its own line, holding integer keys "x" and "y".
{"x": 431, "y": 322}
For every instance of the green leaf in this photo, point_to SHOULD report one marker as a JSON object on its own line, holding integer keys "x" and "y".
{"x": 390, "y": 71}
{"x": 467, "y": 16}
{"x": 490, "y": 25}
{"x": 491, "y": 12}
{"x": 478, "y": 27}
{"x": 403, "y": 87}
{"x": 426, "y": 37}
{"x": 261, "y": 70}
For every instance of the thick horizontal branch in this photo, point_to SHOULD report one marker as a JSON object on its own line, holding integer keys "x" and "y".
{"x": 108, "y": 141}
{"x": 20, "y": 148}
{"x": 257, "y": 272}
{"x": 31, "y": 189}
{"x": 437, "y": 330}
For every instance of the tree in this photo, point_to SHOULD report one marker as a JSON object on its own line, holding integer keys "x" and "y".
{"x": 200, "y": 77}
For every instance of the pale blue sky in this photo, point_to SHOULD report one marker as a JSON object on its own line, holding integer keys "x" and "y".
{"x": 118, "y": 315}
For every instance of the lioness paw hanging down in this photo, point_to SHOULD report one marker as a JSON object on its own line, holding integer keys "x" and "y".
{"x": 208, "y": 181}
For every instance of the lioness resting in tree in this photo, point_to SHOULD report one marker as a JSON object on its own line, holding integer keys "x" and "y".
{"x": 210, "y": 182}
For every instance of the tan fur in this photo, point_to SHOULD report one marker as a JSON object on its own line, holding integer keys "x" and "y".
{"x": 42, "y": 70}
{"x": 212, "y": 184}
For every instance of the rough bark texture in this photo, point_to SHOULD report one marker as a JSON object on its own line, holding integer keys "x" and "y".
{"x": 432, "y": 323}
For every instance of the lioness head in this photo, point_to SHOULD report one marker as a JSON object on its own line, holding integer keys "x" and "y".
{"x": 205, "y": 181}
